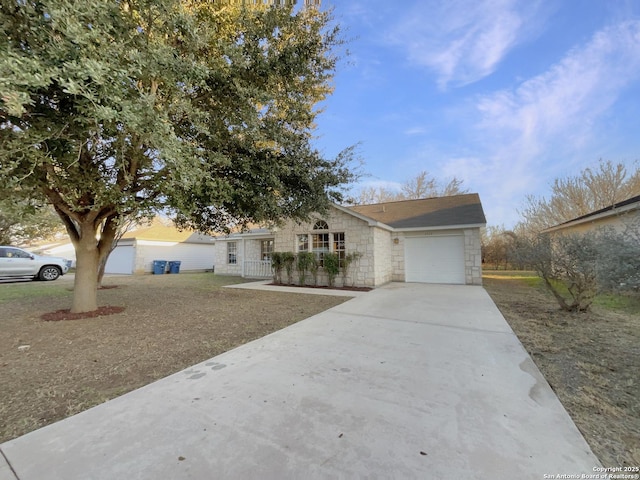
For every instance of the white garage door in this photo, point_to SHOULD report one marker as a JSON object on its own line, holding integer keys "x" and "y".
{"x": 435, "y": 259}
{"x": 120, "y": 260}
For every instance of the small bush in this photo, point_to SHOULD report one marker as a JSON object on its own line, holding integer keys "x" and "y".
{"x": 289, "y": 260}
{"x": 314, "y": 266}
{"x": 277, "y": 265}
{"x": 331, "y": 266}
{"x": 304, "y": 264}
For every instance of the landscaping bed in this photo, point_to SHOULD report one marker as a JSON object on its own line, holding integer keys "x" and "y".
{"x": 324, "y": 287}
{"x": 591, "y": 360}
{"x": 50, "y": 370}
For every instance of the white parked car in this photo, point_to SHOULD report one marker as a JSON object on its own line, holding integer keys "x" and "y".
{"x": 15, "y": 262}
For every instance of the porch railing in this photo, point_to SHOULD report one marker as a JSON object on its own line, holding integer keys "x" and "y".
{"x": 257, "y": 269}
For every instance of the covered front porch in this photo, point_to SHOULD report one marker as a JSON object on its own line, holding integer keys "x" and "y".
{"x": 247, "y": 255}
{"x": 256, "y": 269}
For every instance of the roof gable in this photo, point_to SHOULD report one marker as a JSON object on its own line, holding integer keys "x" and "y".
{"x": 432, "y": 212}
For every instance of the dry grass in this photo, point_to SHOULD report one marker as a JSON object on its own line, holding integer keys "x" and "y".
{"x": 170, "y": 322}
{"x": 591, "y": 360}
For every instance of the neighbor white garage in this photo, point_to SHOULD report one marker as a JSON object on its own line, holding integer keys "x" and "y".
{"x": 435, "y": 259}
{"x": 121, "y": 260}
{"x": 137, "y": 249}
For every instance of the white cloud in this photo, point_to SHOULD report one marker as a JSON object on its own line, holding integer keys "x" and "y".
{"x": 463, "y": 41}
{"x": 528, "y": 136}
{"x": 562, "y": 104}
{"x": 415, "y": 131}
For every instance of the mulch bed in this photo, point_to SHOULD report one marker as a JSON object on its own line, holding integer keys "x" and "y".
{"x": 324, "y": 287}
{"x": 66, "y": 314}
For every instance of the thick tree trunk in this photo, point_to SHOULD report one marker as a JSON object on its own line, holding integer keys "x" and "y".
{"x": 102, "y": 265}
{"x": 85, "y": 290}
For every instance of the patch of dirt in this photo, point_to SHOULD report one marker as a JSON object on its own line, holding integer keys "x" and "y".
{"x": 51, "y": 370}
{"x": 65, "y": 314}
{"x": 591, "y": 360}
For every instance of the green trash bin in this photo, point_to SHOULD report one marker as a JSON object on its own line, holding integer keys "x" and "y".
{"x": 159, "y": 267}
{"x": 174, "y": 266}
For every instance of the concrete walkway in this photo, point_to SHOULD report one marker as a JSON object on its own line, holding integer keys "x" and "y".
{"x": 408, "y": 381}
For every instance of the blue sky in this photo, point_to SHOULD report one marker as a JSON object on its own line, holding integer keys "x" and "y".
{"x": 505, "y": 95}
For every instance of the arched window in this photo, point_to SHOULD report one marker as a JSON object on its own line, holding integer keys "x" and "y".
{"x": 321, "y": 225}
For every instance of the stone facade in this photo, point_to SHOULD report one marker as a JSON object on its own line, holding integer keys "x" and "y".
{"x": 472, "y": 257}
{"x": 246, "y": 249}
{"x": 358, "y": 236}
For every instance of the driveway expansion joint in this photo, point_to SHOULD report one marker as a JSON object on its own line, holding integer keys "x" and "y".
{"x": 433, "y": 324}
{"x": 8, "y": 463}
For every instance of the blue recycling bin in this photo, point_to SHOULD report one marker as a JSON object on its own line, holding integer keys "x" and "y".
{"x": 159, "y": 267}
{"x": 174, "y": 266}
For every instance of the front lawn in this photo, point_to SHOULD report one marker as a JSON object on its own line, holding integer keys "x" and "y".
{"x": 51, "y": 370}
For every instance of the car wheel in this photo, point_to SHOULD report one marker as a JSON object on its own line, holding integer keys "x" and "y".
{"x": 49, "y": 273}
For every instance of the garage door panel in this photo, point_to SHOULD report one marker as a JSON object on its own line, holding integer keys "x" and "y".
{"x": 120, "y": 260}
{"x": 435, "y": 259}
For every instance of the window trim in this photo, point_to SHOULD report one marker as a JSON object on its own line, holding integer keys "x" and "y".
{"x": 266, "y": 253}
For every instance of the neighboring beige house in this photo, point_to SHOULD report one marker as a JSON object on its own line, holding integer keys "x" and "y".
{"x": 433, "y": 240}
{"x": 617, "y": 216}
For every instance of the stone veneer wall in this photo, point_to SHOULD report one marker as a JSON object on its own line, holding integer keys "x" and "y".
{"x": 472, "y": 257}
{"x": 220, "y": 258}
{"x": 383, "y": 248}
{"x": 358, "y": 237}
{"x": 397, "y": 257}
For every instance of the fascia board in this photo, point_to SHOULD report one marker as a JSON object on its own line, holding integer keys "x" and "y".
{"x": 610, "y": 213}
{"x": 440, "y": 227}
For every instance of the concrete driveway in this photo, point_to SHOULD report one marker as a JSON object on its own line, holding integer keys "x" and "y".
{"x": 407, "y": 381}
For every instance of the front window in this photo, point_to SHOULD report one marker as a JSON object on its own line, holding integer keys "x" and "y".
{"x": 266, "y": 249}
{"x": 232, "y": 253}
{"x": 321, "y": 225}
{"x": 303, "y": 243}
{"x": 339, "y": 247}
{"x": 320, "y": 246}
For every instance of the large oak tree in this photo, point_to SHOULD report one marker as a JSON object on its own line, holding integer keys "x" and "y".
{"x": 116, "y": 109}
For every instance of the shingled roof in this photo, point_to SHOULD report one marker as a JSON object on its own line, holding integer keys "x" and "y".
{"x": 450, "y": 211}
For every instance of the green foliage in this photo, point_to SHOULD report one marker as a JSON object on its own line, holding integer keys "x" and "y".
{"x": 289, "y": 263}
{"x": 277, "y": 265}
{"x": 304, "y": 264}
{"x": 26, "y": 220}
{"x": 118, "y": 109}
{"x": 349, "y": 259}
{"x": 331, "y": 263}
{"x": 314, "y": 268}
